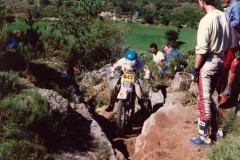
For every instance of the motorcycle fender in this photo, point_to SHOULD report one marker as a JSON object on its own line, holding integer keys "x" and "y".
{"x": 122, "y": 94}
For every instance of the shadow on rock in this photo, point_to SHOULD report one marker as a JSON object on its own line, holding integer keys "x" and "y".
{"x": 119, "y": 144}
{"x": 66, "y": 131}
{"x": 12, "y": 61}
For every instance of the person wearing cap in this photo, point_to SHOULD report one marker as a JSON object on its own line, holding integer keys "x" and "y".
{"x": 129, "y": 64}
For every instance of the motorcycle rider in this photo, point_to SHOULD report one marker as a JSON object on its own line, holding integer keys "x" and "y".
{"x": 129, "y": 64}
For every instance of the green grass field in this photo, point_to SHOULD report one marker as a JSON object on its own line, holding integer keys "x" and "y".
{"x": 21, "y": 25}
{"x": 141, "y": 36}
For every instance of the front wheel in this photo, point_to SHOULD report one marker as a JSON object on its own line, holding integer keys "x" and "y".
{"x": 120, "y": 120}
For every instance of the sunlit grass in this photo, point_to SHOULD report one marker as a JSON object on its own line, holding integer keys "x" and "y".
{"x": 141, "y": 36}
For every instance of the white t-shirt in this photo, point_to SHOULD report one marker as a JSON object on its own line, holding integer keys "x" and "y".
{"x": 214, "y": 33}
{"x": 158, "y": 57}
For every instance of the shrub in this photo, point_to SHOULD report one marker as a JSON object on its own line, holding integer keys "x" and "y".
{"x": 12, "y": 150}
{"x": 227, "y": 149}
{"x": 101, "y": 150}
{"x": 10, "y": 82}
{"x": 176, "y": 65}
{"x": 231, "y": 124}
{"x": 97, "y": 39}
{"x": 190, "y": 100}
{"x": 57, "y": 44}
{"x": 25, "y": 109}
{"x": 13, "y": 131}
{"x": 190, "y": 60}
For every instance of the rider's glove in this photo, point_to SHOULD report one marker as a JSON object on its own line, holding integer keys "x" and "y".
{"x": 146, "y": 77}
{"x": 195, "y": 75}
{"x": 112, "y": 75}
{"x": 147, "y": 74}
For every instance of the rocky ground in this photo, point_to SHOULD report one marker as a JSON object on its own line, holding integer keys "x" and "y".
{"x": 165, "y": 135}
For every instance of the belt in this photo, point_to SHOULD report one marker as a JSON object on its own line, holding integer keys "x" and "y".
{"x": 216, "y": 55}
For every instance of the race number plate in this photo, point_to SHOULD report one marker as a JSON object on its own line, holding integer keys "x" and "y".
{"x": 128, "y": 77}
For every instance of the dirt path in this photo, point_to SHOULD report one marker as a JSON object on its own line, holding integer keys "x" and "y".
{"x": 166, "y": 134}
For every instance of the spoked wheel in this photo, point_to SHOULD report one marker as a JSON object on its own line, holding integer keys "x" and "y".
{"x": 121, "y": 119}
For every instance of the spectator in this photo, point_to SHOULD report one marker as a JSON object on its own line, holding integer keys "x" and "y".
{"x": 170, "y": 51}
{"x": 213, "y": 39}
{"x": 233, "y": 12}
{"x": 232, "y": 90}
{"x": 14, "y": 40}
{"x": 158, "y": 58}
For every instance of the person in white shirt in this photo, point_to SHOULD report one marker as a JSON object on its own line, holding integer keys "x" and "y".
{"x": 158, "y": 58}
{"x": 213, "y": 39}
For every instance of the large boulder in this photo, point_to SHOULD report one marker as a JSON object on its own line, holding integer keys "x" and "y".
{"x": 165, "y": 134}
{"x": 85, "y": 124}
{"x": 181, "y": 81}
{"x": 193, "y": 89}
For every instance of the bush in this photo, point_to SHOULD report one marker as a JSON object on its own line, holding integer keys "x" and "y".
{"x": 176, "y": 65}
{"x": 12, "y": 150}
{"x": 97, "y": 39}
{"x": 13, "y": 131}
{"x": 57, "y": 44}
{"x": 227, "y": 149}
{"x": 10, "y": 82}
{"x": 190, "y": 60}
{"x": 231, "y": 124}
{"x": 190, "y": 100}
{"x": 25, "y": 109}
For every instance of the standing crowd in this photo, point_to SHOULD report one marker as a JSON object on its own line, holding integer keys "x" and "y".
{"x": 217, "y": 44}
{"x": 217, "y": 66}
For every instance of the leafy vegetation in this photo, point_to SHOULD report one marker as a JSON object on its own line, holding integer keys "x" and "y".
{"x": 81, "y": 37}
{"x": 229, "y": 147}
{"x": 10, "y": 83}
{"x": 190, "y": 100}
{"x": 20, "y": 113}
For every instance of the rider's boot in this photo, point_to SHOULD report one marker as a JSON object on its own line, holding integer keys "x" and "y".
{"x": 228, "y": 88}
{"x": 203, "y": 139}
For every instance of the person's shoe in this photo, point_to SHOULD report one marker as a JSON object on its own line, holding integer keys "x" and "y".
{"x": 198, "y": 141}
{"x": 219, "y": 135}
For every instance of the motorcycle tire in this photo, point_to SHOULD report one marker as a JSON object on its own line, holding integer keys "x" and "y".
{"x": 120, "y": 119}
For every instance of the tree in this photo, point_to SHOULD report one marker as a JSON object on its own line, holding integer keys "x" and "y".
{"x": 171, "y": 35}
{"x": 94, "y": 39}
{"x": 2, "y": 14}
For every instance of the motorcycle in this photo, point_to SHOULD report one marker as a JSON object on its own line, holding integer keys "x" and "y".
{"x": 126, "y": 99}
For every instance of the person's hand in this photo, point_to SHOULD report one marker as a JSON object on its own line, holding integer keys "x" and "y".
{"x": 146, "y": 77}
{"x": 195, "y": 75}
{"x": 112, "y": 75}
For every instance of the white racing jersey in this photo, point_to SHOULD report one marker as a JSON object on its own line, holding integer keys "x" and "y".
{"x": 134, "y": 66}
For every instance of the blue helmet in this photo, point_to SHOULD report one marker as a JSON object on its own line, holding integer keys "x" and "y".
{"x": 131, "y": 55}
